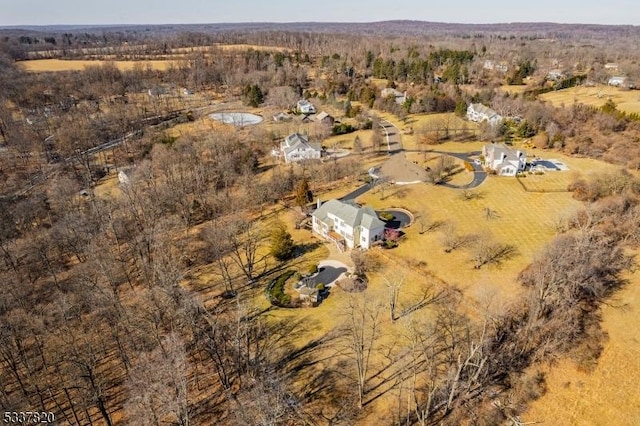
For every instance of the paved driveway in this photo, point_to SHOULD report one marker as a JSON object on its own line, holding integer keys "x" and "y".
{"x": 479, "y": 175}
{"x": 329, "y": 271}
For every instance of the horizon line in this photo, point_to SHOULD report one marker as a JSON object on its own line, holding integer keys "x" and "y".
{"x": 113, "y": 25}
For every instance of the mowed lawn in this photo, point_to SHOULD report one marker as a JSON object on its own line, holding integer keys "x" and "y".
{"x": 625, "y": 100}
{"x": 53, "y": 65}
{"x": 524, "y": 219}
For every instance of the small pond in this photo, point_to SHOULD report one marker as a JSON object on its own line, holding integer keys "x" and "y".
{"x": 239, "y": 119}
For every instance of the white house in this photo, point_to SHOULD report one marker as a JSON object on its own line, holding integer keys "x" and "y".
{"x": 296, "y": 147}
{"x": 398, "y": 96}
{"x": 480, "y": 113}
{"x": 505, "y": 161}
{"x": 611, "y": 66}
{"x": 555, "y": 75}
{"x": 306, "y": 107}
{"x": 618, "y": 81}
{"x": 347, "y": 225}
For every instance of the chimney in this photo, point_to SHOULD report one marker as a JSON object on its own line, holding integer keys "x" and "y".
{"x": 518, "y": 154}
{"x": 503, "y": 156}
{"x": 318, "y": 203}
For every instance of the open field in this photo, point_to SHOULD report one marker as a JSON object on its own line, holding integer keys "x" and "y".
{"x": 625, "y": 100}
{"x": 514, "y": 90}
{"x": 609, "y": 394}
{"x": 53, "y": 65}
{"x": 433, "y": 123}
{"x": 524, "y": 219}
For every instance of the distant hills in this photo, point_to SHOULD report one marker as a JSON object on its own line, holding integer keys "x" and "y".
{"x": 398, "y": 28}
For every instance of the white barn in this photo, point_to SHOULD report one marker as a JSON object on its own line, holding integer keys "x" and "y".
{"x": 348, "y": 225}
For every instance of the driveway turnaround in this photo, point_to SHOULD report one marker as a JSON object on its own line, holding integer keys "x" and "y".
{"x": 330, "y": 271}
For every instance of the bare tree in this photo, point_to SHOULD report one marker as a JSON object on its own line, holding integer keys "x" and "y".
{"x": 158, "y": 385}
{"x": 451, "y": 240}
{"x": 361, "y": 334}
{"x": 246, "y": 238}
{"x": 487, "y": 251}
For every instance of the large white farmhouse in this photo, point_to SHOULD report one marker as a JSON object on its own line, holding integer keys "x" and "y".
{"x": 504, "y": 161}
{"x": 480, "y": 113}
{"x": 347, "y": 225}
{"x": 296, "y": 147}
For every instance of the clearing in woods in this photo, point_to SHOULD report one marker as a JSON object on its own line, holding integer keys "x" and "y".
{"x": 54, "y": 65}
{"x": 625, "y": 100}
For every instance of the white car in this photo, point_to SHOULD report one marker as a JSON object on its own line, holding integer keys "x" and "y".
{"x": 477, "y": 162}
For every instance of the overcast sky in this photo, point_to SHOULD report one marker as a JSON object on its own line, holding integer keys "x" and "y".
{"x": 44, "y": 12}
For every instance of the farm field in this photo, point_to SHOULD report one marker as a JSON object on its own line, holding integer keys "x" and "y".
{"x": 625, "y": 100}
{"x": 53, "y": 65}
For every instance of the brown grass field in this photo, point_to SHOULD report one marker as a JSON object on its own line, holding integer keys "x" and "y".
{"x": 54, "y": 65}
{"x": 609, "y": 394}
{"x": 626, "y": 100}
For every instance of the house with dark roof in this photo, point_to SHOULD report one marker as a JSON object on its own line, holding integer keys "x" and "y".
{"x": 480, "y": 113}
{"x": 296, "y": 147}
{"x": 504, "y": 161}
{"x": 347, "y": 224}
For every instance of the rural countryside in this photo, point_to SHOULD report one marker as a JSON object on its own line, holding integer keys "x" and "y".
{"x": 340, "y": 213}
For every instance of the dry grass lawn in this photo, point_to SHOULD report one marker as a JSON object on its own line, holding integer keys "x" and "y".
{"x": 626, "y": 100}
{"x": 53, "y": 65}
{"x": 609, "y": 394}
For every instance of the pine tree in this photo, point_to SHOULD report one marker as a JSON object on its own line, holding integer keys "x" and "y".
{"x": 303, "y": 193}
{"x": 281, "y": 242}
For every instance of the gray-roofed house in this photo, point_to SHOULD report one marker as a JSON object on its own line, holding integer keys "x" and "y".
{"x": 504, "y": 161}
{"x": 480, "y": 113}
{"x": 398, "y": 96}
{"x": 347, "y": 225}
{"x": 296, "y": 147}
{"x": 306, "y": 107}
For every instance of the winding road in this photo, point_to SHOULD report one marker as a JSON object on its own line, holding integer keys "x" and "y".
{"x": 394, "y": 147}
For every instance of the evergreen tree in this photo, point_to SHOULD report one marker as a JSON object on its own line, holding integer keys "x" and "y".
{"x": 281, "y": 242}
{"x": 303, "y": 193}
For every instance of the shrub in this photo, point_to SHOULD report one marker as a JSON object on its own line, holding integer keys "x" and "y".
{"x": 386, "y": 216}
{"x": 275, "y": 290}
{"x": 313, "y": 269}
{"x": 320, "y": 287}
{"x": 342, "y": 128}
